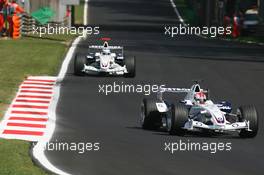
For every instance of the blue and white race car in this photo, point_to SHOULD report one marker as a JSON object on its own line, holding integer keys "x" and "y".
{"x": 104, "y": 59}
{"x": 197, "y": 113}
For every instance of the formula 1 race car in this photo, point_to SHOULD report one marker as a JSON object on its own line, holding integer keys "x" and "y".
{"x": 197, "y": 113}
{"x": 105, "y": 60}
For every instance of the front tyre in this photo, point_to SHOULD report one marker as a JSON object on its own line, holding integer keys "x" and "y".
{"x": 150, "y": 116}
{"x": 130, "y": 63}
{"x": 79, "y": 62}
{"x": 248, "y": 113}
{"x": 179, "y": 116}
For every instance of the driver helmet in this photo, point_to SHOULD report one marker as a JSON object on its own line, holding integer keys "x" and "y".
{"x": 200, "y": 97}
{"x": 106, "y": 52}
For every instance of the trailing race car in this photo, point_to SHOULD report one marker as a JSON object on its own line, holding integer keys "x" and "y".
{"x": 197, "y": 113}
{"x": 106, "y": 59}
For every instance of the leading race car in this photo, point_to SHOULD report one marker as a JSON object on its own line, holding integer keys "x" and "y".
{"x": 105, "y": 60}
{"x": 197, "y": 113}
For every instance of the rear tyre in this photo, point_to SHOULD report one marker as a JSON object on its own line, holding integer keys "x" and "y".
{"x": 248, "y": 113}
{"x": 79, "y": 62}
{"x": 150, "y": 116}
{"x": 178, "y": 119}
{"x": 130, "y": 63}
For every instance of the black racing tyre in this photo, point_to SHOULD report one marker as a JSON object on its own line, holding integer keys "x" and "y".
{"x": 150, "y": 116}
{"x": 248, "y": 113}
{"x": 79, "y": 62}
{"x": 130, "y": 63}
{"x": 179, "y": 116}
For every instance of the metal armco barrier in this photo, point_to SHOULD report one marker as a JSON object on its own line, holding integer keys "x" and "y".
{"x": 28, "y": 23}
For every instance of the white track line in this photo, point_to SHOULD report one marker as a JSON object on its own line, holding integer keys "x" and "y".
{"x": 31, "y": 104}
{"x": 39, "y": 148}
{"x": 176, "y": 11}
{"x": 41, "y": 78}
{"x": 180, "y": 17}
{"x": 27, "y": 115}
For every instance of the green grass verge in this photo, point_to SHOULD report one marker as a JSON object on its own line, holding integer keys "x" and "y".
{"x": 79, "y": 12}
{"x": 20, "y": 58}
{"x": 256, "y": 39}
{"x": 186, "y": 12}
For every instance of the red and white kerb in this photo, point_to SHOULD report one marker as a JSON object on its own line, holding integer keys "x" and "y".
{"x": 28, "y": 115}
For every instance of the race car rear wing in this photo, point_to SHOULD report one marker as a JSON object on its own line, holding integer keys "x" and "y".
{"x": 175, "y": 90}
{"x": 102, "y": 47}
{"x": 106, "y": 46}
{"x": 171, "y": 90}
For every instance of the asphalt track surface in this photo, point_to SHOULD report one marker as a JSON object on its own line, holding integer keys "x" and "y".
{"x": 232, "y": 71}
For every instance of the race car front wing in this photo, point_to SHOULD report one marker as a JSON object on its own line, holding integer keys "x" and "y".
{"x": 192, "y": 125}
{"x": 120, "y": 70}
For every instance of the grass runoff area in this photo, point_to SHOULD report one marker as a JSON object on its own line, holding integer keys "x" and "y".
{"x": 29, "y": 55}
{"x": 257, "y": 39}
{"x": 190, "y": 17}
